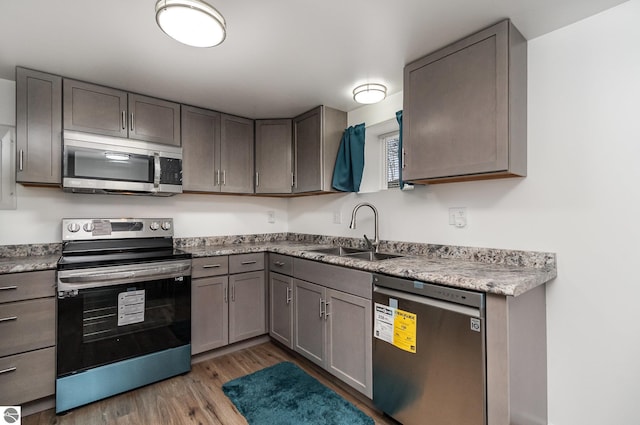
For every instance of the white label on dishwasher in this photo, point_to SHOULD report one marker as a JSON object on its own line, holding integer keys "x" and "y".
{"x": 475, "y": 324}
{"x": 383, "y": 324}
{"x": 130, "y": 307}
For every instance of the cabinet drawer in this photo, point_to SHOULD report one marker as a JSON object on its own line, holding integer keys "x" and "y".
{"x": 27, "y": 376}
{"x": 24, "y": 286}
{"x": 209, "y": 266}
{"x": 246, "y": 262}
{"x": 281, "y": 264}
{"x": 27, "y": 325}
{"x": 343, "y": 279}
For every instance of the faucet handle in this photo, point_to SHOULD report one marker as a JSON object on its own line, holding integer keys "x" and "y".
{"x": 368, "y": 242}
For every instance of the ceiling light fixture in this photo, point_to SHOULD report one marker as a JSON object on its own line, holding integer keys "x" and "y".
{"x": 192, "y": 22}
{"x": 369, "y": 93}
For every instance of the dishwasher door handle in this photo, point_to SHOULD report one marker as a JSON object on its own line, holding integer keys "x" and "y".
{"x": 445, "y": 305}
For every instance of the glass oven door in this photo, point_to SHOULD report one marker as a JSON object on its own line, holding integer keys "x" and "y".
{"x": 109, "y": 314}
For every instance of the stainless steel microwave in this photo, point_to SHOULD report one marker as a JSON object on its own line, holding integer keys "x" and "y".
{"x": 102, "y": 164}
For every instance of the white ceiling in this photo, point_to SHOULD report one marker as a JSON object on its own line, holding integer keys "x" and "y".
{"x": 280, "y": 57}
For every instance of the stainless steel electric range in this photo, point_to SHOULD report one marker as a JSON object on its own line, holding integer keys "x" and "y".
{"x": 124, "y": 308}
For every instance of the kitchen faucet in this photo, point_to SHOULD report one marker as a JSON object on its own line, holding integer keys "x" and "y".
{"x": 373, "y": 246}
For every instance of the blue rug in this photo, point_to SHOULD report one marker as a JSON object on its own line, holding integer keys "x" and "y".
{"x": 284, "y": 394}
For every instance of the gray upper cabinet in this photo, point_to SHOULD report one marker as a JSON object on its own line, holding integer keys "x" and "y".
{"x": 154, "y": 120}
{"x": 217, "y": 152}
{"x": 465, "y": 109}
{"x": 274, "y": 148}
{"x": 236, "y": 154}
{"x": 316, "y": 135}
{"x": 102, "y": 110}
{"x": 38, "y": 127}
{"x": 200, "y": 150}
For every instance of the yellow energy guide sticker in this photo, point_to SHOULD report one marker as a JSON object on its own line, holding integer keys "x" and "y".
{"x": 404, "y": 330}
{"x": 397, "y": 327}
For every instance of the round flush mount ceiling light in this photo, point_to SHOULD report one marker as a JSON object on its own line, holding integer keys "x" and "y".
{"x": 369, "y": 93}
{"x": 192, "y": 22}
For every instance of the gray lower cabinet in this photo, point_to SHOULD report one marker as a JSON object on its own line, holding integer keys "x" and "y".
{"x": 228, "y": 300}
{"x": 38, "y": 127}
{"x": 332, "y": 320}
{"x": 27, "y": 346}
{"x": 316, "y": 134}
{"x": 103, "y": 110}
{"x": 209, "y": 313}
{"x": 217, "y": 152}
{"x": 464, "y": 114}
{"x": 281, "y": 308}
{"x": 274, "y": 148}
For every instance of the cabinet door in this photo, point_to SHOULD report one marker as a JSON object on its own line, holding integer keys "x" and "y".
{"x": 94, "y": 109}
{"x": 38, "y": 127}
{"x": 280, "y": 308}
{"x": 200, "y": 150}
{"x": 236, "y": 154}
{"x": 460, "y": 119}
{"x": 273, "y": 156}
{"x": 247, "y": 307}
{"x": 349, "y": 340}
{"x": 209, "y": 314}
{"x": 308, "y": 319}
{"x": 307, "y": 133}
{"x": 154, "y": 120}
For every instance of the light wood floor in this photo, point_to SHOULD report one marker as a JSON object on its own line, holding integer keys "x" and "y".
{"x": 195, "y": 398}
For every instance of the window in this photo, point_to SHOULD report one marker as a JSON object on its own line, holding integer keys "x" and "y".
{"x": 391, "y": 143}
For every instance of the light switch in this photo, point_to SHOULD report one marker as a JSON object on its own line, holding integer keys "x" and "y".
{"x": 458, "y": 217}
{"x": 271, "y": 216}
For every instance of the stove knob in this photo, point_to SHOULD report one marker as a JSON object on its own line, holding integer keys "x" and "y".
{"x": 88, "y": 227}
{"x": 73, "y": 227}
{"x": 154, "y": 225}
{"x": 166, "y": 225}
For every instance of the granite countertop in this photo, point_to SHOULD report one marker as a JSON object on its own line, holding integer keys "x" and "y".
{"x": 487, "y": 270}
{"x": 502, "y": 279}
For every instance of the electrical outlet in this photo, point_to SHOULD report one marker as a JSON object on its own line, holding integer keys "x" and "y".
{"x": 337, "y": 217}
{"x": 271, "y": 216}
{"x": 458, "y": 217}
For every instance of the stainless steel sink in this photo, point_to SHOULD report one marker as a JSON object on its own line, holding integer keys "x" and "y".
{"x": 362, "y": 254}
{"x": 340, "y": 250}
{"x": 373, "y": 256}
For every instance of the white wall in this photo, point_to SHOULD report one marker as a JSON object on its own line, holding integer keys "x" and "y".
{"x": 581, "y": 199}
{"x": 40, "y": 210}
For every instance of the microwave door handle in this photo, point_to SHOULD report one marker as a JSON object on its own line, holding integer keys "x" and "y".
{"x": 156, "y": 169}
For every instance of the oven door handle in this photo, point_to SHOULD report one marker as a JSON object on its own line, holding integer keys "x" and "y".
{"x": 96, "y": 279}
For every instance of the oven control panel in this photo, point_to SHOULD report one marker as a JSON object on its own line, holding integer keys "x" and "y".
{"x": 115, "y": 228}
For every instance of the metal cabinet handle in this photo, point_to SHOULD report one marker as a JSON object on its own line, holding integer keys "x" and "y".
{"x": 275, "y": 263}
{"x": 21, "y": 160}
{"x": 404, "y": 158}
{"x": 10, "y": 369}
{"x": 257, "y": 179}
{"x": 226, "y": 295}
{"x": 233, "y": 293}
{"x": 246, "y": 263}
{"x": 224, "y": 177}
{"x": 8, "y": 319}
{"x": 124, "y": 120}
{"x": 293, "y": 180}
{"x": 7, "y": 288}
{"x": 326, "y": 310}
{"x": 212, "y": 266}
{"x": 289, "y": 295}
{"x": 321, "y": 302}
{"x": 217, "y": 178}
{"x": 131, "y": 127}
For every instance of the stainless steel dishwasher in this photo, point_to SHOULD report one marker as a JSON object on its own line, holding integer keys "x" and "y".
{"x": 428, "y": 353}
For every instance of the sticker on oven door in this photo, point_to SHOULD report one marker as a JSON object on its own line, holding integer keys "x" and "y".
{"x": 131, "y": 307}
{"x": 395, "y": 326}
